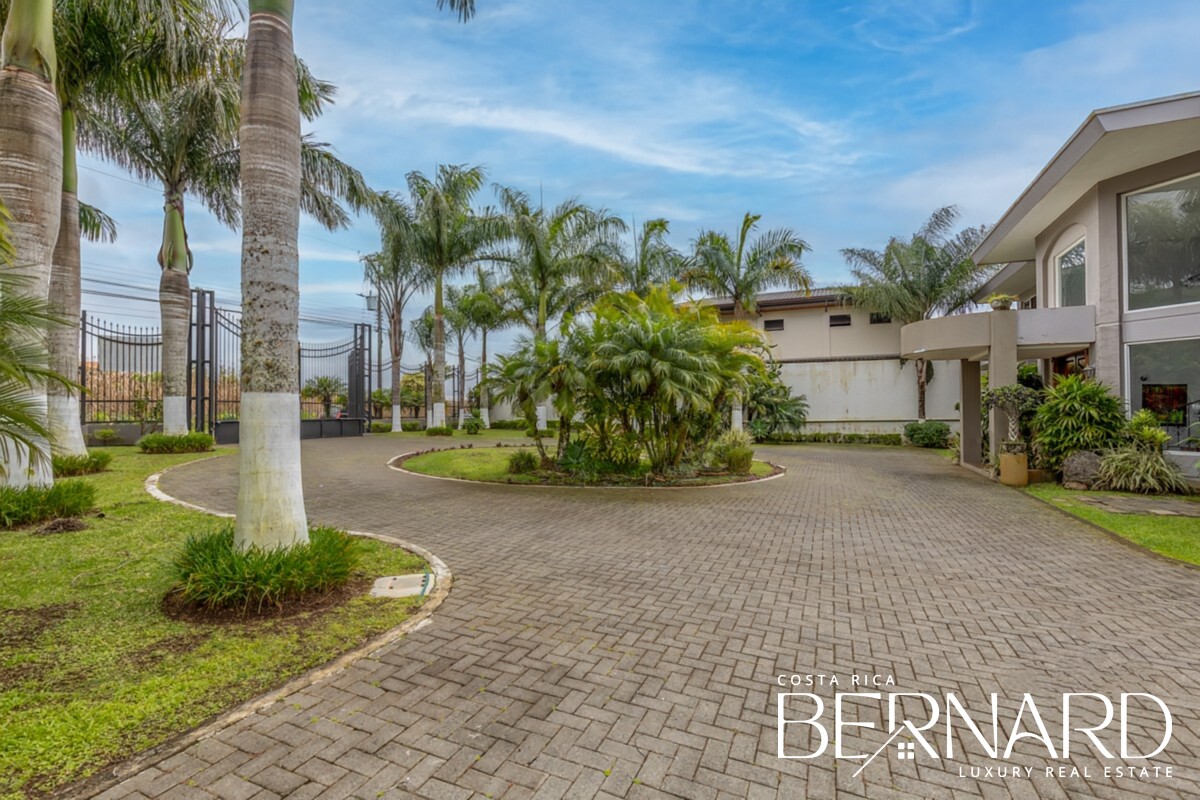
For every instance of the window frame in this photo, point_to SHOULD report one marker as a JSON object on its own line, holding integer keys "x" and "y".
{"x": 1058, "y": 279}
{"x": 1127, "y": 375}
{"x": 1124, "y": 251}
{"x": 767, "y": 323}
{"x": 849, "y": 320}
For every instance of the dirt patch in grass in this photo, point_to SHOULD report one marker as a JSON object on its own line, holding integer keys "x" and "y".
{"x": 301, "y": 608}
{"x": 21, "y": 627}
{"x": 62, "y": 525}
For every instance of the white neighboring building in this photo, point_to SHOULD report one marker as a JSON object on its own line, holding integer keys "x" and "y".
{"x": 846, "y": 362}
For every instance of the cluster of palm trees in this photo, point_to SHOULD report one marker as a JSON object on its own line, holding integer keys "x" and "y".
{"x": 532, "y": 266}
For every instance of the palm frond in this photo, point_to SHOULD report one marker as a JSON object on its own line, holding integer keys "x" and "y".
{"x": 95, "y": 225}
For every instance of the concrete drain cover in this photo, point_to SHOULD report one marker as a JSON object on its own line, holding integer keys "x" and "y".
{"x": 402, "y": 585}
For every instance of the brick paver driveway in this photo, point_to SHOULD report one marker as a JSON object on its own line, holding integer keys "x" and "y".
{"x": 628, "y": 643}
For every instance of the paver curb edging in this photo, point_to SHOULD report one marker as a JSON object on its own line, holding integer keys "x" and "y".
{"x": 393, "y": 464}
{"x": 1111, "y": 534}
{"x": 443, "y": 581}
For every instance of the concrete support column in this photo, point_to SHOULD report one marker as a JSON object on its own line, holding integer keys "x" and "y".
{"x": 970, "y": 449}
{"x": 1002, "y": 371}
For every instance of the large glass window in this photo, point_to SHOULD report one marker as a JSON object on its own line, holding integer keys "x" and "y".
{"x": 1072, "y": 276}
{"x": 1165, "y": 378}
{"x": 1162, "y": 234}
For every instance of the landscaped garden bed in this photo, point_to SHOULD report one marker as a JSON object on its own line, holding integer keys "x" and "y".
{"x": 92, "y": 667}
{"x": 491, "y": 465}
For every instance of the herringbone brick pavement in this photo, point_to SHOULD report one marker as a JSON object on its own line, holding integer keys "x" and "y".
{"x": 627, "y": 643}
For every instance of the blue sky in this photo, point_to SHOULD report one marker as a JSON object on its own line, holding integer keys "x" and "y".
{"x": 845, "y": 121}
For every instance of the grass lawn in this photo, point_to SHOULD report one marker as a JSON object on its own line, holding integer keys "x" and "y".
{"x": 91, "y": 670}
{"x": 491, "y": 464}
{"x": 1176, "y": 537}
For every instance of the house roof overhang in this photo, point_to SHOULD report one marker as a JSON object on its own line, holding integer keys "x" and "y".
{"x": 1111, "y": 142}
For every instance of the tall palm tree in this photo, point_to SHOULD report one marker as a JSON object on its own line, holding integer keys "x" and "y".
{"x": 396, "y": 277}
{"x": 446, "y": 238}
{"x": 186, "y": 140}
{"x": 103, "y": 49}
{"x": 929, "y": 274}
{"x": 462, "y": 327}
{"x": 486, "y": 310}
{"x": 743, "y": 270}
{"x": 270, "y": 504}
{"x": 652, "y": 260}
{"x": 31, "y": 176}
{"x": 559, "y": 260}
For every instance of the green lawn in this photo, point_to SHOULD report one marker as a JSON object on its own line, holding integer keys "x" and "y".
{"x": 1176, "y": 537}
{"x": 491, "y": 464}
{"x": 92, "y": 671}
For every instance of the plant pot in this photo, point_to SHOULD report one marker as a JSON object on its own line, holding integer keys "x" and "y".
{"x": 1014, "y": 469}
{"x": 1001, "y": 305}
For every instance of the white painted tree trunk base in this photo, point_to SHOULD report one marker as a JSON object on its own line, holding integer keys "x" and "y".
{"x": 175, "y": 416}
{"x": 486, "y": 416}
{"x": 542, "y": 415}
{"x": 20, "y": 468}
{"x": 735, "y": 418}
{"x": 439, "y": 416}
{"x": 270, "y": 503}
{"x": 397, "y": 425}
{"x": 66, "y": 432}
{"x": 462, "y": 417}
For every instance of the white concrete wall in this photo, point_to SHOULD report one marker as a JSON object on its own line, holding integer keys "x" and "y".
{"x": 878, "y": 396}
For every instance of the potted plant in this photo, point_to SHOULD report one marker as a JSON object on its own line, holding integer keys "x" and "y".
{"x": 1001, "y": 302}
{"x": 1013, "y": 401}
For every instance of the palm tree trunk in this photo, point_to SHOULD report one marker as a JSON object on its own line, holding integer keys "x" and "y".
{"x": 396, "y": 344}
{"x": 462, "y": 378}
{"x": 66, "y": 429}
{"x": 31, "y": 171}
{"x": 485, "y": 392}
{"x": 270, "y": 505}
{"x": 438, "y": 390}
{"x": 921, "y": 384}
{"x": 174, "y": 296}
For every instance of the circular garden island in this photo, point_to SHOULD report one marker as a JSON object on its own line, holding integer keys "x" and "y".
{"x": 524, "y": 465}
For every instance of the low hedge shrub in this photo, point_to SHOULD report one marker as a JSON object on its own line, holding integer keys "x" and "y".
{"x": 158, "y": 443}
{"x": 106, "y": 436}
{"x": 544, "y": 433}
{"x": 87, "y": 464}
{"x": 381, "y": 427}
{"x": 32, "y": 504}
{"x": 929, "y": 433}
{"x": 521, "y": 462}
{"x": 211, "y": 573}
{"x": 410, "y": 427}
{"x": 439, "y": 430}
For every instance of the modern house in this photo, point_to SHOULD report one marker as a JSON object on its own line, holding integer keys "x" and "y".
{"x": 1103, "y": 250}
{"x": 846, "y": 362}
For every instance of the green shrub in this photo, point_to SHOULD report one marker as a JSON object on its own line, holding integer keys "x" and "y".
{"x": 439, "y": 430}
{"x": 72, "y": 466}
{"x": 38, "y": 503}
{"x": 158, "y": 443}
{"x": 381, "y": 427}
{"x": 739, "y": 459}
{"x": 1077, "y": 414}
{"x": 1136, "y": 468}
{"x": 1145, "y": 431}
{"x": 544, "y": 433}
{"x": 521, "y": 462}
{"x": 508, "y": 424}
{"x": 473, "y": 425}
{"x": 106, "y": 436}
{"x": 410, "y": 427}
{"x": 212, "y": 573}
{"x": 929, "y": 433}
{"x": 722, "y": 450}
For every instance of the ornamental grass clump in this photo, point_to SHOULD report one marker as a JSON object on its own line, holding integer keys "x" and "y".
{"x": 33, "y": 504}
{"x": 522, "y": 462}
{"x": 212, "y": 573}
{"x": 87, "y": 464}
{"x": 160, "y": 443}
{"x": 1140, "y": 465}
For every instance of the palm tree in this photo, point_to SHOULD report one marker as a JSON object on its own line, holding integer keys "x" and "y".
{"x": 652, "y": 261}
{"x": 420, "y": 331}
{"x": 31, "y": 173}
{"x": 23, "y": 364}
{"x": 103, "y": 49}
{"x": 270, "y": 505}
{"x": 485, "y": 308}
{"x": 186, "y": 140}
{"x": 446, "y": 237}
{"x": 324, "y": 388}
{"x": 540, "y": 371}
{"x": 559, "y": 261}
{"x": 929, "y": 274}
{"x": 462, "y": 327}
{"x": 743, "y": 270}
{"x": 396, "y": 278}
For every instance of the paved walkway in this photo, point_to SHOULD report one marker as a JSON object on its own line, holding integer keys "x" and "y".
{"x": 627, "y": 643}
